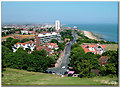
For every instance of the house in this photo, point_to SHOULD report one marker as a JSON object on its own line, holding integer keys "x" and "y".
{"x": 103, "y": 60}
{"x": 52, "y": 45}
{"x": 67, "y": 39}
{"x": 29, "y": 44}
{"x": 31, "y": 32}
{"x": 24, "y": 32}
{"x": 48, "y": 47}
{"x": 17, "y": 32}
{"x": 96, "y": 49}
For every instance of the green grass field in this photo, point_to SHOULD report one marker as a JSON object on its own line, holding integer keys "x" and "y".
{"x": 111, "y": 47}
{"x": 22, "y": 77}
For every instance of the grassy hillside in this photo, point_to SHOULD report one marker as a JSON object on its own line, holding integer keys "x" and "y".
{"x": 21, "y": 77}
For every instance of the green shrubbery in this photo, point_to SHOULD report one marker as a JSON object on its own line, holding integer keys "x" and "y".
{"x": 37, "y": 61}
{"x": 112, "y": 66}
{"x": 66, "y": 34}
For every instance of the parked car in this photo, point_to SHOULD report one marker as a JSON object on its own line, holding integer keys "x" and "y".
{"x": 63, "y": 67}
{"x": 65, "y": 73}
{"x": 45, "y": 71}
{"x": 50, "y": 72}
{"x": 53, "y": 72}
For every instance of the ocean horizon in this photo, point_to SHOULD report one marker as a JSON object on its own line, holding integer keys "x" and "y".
{"x": 108, "y": 31}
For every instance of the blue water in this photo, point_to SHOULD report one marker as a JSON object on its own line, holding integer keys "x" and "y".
{"x": 108, "y": 31}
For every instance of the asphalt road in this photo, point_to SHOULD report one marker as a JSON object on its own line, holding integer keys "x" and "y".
{"x": 65, "y": 59}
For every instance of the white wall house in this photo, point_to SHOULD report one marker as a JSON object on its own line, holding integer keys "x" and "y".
{"x": 29, "y": 44}
{"x": 24, "y": 31}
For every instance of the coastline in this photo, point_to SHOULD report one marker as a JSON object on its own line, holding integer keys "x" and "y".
{"x": 91, "y": 35}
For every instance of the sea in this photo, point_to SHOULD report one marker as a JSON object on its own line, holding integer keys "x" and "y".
{"x": 108, "y": 32}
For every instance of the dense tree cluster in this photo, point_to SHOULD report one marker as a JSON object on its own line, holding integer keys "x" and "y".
{"x": 51, "y": 29}
{"x": 37, "y": 61}
{"x": 66, "y": 34}
{"x": 85, "y": 39}
{"x": 83, "y": 63}
{"x": 112, "y": 66}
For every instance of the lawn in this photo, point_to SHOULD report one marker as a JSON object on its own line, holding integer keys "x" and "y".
{"x": 111, "y": 47}
{"x": 22, "y": 77}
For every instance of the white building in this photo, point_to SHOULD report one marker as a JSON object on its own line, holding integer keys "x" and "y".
{"x": 29, "y": 44}
{"x": 24, "y": 32}
{"x": 47, "y": 37}
{"x": 57, "y": 25}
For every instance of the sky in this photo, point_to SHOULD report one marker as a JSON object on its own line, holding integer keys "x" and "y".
{"x": 66, "y": 12}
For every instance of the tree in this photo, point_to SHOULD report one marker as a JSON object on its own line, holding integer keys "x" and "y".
{"x": 40, "y": 53}
{"x": 54, "y": 56}
{"x": 3, "y": 34}
{"x": 8, "y": 45}
{"x": 74, "y": 45}
{"x": 112, "y": 66}
{"x": 54, "y": 41}
{"x": 5, "y": 51}
{"x": 32, "y": 39}
{"x": 14, "y": 41}
{"x": 9, "y": 39}
{"x": 25, "y": 40}
{"x": 31, "y": 29}
{"x": 61, "y": 46}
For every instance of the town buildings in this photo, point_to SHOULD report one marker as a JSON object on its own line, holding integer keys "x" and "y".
{"x": 47, "y": 37}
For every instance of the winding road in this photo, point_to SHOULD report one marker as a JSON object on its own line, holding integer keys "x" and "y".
{"x": 65, "y": 59}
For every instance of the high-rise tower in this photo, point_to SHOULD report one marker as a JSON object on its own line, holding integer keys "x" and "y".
{"x": 57, "y": 25}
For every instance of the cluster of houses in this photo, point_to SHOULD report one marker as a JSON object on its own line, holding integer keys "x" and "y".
{"x": 49, "y": 47}
{"x": 96, "y": 49}
{"x": 29, "y": 44}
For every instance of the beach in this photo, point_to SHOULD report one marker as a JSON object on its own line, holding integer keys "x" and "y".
{"x": 89, "y": 35}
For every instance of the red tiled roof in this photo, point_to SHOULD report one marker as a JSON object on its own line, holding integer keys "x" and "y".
{"x": 31, "y": 31}
{"x": 86, "y": 48}
{"x": 103, "y": 60}
{"x": 52, "y": 44}
{"x": 28, "y": 42}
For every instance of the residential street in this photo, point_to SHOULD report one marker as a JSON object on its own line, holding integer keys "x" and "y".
{"x": 65, "y": 59}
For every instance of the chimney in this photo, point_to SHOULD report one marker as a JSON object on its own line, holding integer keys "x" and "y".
{"x": 37, "y": 39}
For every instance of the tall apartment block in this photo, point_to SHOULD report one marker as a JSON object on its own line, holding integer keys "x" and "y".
{"x": 57, "y": 25}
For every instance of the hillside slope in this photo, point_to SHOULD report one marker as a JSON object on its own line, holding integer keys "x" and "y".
{"x": 22, "y": 77}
